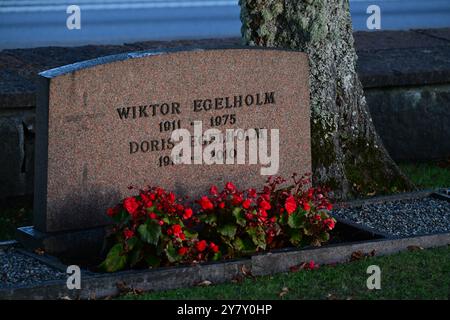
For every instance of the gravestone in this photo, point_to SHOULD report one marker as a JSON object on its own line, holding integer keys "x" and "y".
{"x": 106, "y": 124}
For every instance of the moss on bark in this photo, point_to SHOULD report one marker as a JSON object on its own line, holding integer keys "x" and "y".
{"x": 348, "y": 155}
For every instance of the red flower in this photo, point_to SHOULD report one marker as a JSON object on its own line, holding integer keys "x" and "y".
{"x": 237, "y": 199}
{"x": 306, "y": 206}
{"x": 176, "y": 228}
{"x": 131, "y": 205}
{"x": 290, "y": 205}
{"x": 201, "y": 245}
{"x": 222, "y": 205}
{"x": 205, "y": 203}
{"x": 187, "y": 213}
{"x": 329, "y": 206}
{"x": 264, "y": 205}
{"x": 127, "y": 233}
{"x": 160, "y": 222}
{"x": 146, "y": 200}
{"x": 214, "y": 247}
{"x": 317, "y": 217}
{"x": 171, "y": 197}
{"x": 182, "y": 251}
{"x": 246, "y": 204}
{"x": 230, "y": 187}
{"x": 213, "y": 190}
{"x": 329, "y": 223}
{"x": 252, "y": 193}
{"x": 311, "y": 265}
{"x": 310, "y": 193}
{"x": 152, "y": 215}
{"x": 159, "y": 191}
{"x": 111, "y": 212}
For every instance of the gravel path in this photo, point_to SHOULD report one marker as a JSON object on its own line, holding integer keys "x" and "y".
{"x": 402, "y": 218}
{"x": 19, "y": 269}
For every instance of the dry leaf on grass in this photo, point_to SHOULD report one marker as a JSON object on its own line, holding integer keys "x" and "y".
{"x": 359, "y": 255}
{"x": 331, "y": 296}
{"x": 414, "y": 248}
{"x": 204, "y": 283}
{"x": 284, "y": 292}
{"x": 247, "y": 272}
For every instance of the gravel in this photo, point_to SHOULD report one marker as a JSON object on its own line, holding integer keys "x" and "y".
{"x": 19, "y": 269}
{"x": 402, "y": 218}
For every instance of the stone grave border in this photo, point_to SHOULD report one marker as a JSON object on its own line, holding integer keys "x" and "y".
{"x": 98, "y": 286}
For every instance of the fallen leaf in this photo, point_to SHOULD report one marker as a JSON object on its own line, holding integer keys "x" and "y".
{"x": 294, "y": 268}
{"x": 123, "y": 288}
{"x": 357, "y": 255}
{"x": 204, "y": 283}
{"x": 138, "y": 291}
{"x": 284, "y": 292}
{"x": 39, "y": 251}
{"x": 237, "y": 279}
{"x": 247, "y": 272}
{"x": 414, "y": 248}
{"x": 331, "y": 296}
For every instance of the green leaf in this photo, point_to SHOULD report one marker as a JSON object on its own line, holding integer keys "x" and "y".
{"x": 243, "y": 245}
{"x": 172, "y": 253}
{"x": 150, "y": 232}
{"x": 217, "y": 256}
{"x": 324, "y": 236}
{"x": 295, "y": 237}
{"x": 152, "y": 261}
{"x": 131, "y": 243}
{"x": 166, "y": 220}
{"x": 308, "y": 231}
{"x": 210, "y": 219}
{"x": 135, "y": 257}
{"x": 239, "y": 215}
{"x": 190, "y": 235}
{"x": 258, "y": 237}
{"x": 116, "y": 259}
{"x": 121, "y": 217}
{"x": 295, "y": 220}
{"x": 228, "y": 231}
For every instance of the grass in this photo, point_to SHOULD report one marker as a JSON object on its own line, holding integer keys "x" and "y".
{"x": 14, "y": 212}
{"x": 423, "y": 274}
{"x": 428, "y": 175}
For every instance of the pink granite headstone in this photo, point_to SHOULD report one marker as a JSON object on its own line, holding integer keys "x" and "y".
{"x": 106, "y": 124}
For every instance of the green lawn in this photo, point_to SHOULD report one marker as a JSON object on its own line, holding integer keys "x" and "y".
{"x": 428, "y": 175}
{"x": 421, "y": 274}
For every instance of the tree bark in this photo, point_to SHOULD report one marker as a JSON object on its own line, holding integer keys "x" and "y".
{"x": 348, "y": 156}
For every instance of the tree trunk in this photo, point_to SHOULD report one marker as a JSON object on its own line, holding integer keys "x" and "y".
{"x": 348, "y": 156}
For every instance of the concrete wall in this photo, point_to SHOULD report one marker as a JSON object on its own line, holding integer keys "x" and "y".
{"x": 16, "y": 151}
{"x": 413, "y": 122}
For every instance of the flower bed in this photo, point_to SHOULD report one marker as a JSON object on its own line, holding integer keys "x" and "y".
{"x": 158, "y": 228}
